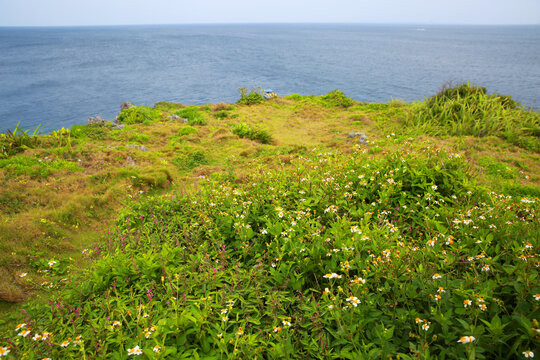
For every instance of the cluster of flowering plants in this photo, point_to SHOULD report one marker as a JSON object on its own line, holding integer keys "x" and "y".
{"x": 339, "y": 255}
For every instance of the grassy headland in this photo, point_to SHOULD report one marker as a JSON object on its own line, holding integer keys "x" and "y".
{"x": 261, "y": 230}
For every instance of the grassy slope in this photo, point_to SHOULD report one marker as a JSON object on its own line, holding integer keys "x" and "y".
{"x": 55, "y": 217}
{"x": 63, "y": 213}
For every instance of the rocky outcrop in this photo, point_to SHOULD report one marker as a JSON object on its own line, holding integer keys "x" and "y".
{"x": 126, "y": 105}
{"x": 96, "y": 120}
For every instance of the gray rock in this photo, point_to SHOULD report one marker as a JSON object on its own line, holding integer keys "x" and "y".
{"x": 178, "y": 118}
{"x": 118, "y": 126}
{"x": 96, "y": 120}
{"x": 130, "y": 161}
{"x": 138, "y": 147}
{"x": 126, "y": 105}
{"x": 356, "y": 134}
{"x": 362, "y": 137}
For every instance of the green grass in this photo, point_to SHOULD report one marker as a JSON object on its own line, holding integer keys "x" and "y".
{"x": 250, "y": 97}
{"x": 17, "y": 140}
{"x": 139, "y": 114}
{"x": 186, "y": 130}
{"x": 206, "y": 226}
{"x": 33, "y": 167}
{"x": 193, "y": 115}
{"x": 190, "y": 160}
{"x": 244, "y": 130}
{"x": 283, "y": 265}
{"x": 469, "y": 110}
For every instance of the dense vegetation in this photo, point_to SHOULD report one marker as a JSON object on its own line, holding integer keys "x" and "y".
{"x": 395, "y": 248}
{"x": 469, "y": 110}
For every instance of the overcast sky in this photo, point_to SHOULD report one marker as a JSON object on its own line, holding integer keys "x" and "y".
{"x": 120, "y": 12}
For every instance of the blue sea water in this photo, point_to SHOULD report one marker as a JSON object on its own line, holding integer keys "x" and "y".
{"x": 58, "y": 77}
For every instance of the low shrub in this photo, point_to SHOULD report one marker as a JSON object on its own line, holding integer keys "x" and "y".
{"x": 193, "y": 115}
{"x": 295, "y": 97}
{"x": 248, "y": 97}
{"x": 244, "y": 130}
{"x": 91, "y": 131}
{"x": 337, "y": 98}
{"x": 186, "y": 130}
{"x": 190, "y": 160}
{"x": 221, "y": 114}
{"x": 139, "y": 115}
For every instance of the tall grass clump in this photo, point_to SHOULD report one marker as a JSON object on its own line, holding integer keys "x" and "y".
{"x": 17, "y": 140}
{"x": 244, "y": 130}
{"x": 338, "y": 256}
{"x": 139, "y": 115}
{"x": 469, "y": 110}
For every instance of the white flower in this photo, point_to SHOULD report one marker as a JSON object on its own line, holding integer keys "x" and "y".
{"x": 528, "y": 354}
{"x": 135, "y": 351}
{"x": 332, "y": 275}
{"x": 4, "y": 351}
{"x": 425, "y": 327}
{"x": 537, "y": 297}
{"x": 466, "y": 339}
{"x": 436, "y": 276}
{"x": 156, "y": 349}
{"x": 353, "y": 300}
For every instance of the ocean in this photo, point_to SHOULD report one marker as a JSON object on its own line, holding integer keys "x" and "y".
{"x": 59, "y": 76}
